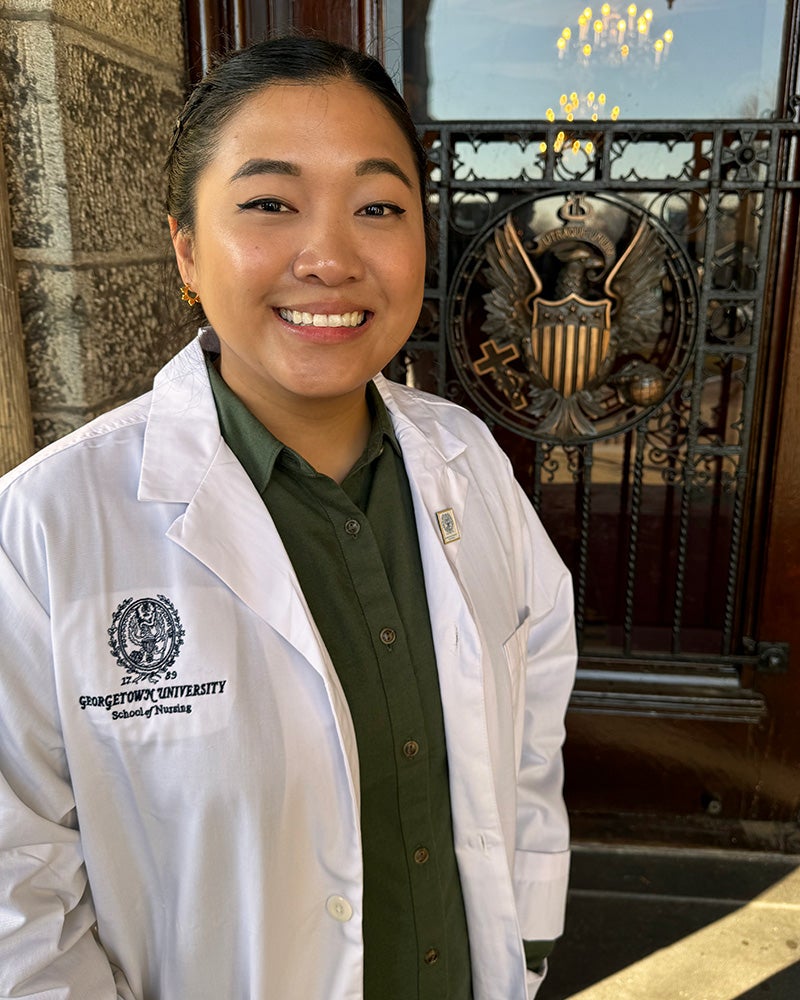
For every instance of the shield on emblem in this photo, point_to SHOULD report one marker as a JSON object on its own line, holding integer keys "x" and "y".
{"x": 570, "y": 341}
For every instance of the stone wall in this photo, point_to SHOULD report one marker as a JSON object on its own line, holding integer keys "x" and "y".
{"x": 88, "y": 93}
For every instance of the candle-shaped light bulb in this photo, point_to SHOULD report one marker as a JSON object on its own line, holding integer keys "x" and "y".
{"x": 668, "y": 35}
{"x": 550, "y": 115}
{"x": 576, "y": 147}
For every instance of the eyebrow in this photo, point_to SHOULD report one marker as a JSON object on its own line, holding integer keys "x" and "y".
{"x": 381, "y": 166}
{"x": 377, "y": 165}
{"x": 261, "y": 166}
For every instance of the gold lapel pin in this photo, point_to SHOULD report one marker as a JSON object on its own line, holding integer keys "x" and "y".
{"x": 448, "y": 526}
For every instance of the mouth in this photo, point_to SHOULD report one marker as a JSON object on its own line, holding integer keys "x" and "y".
{"x": 299, "y": 318}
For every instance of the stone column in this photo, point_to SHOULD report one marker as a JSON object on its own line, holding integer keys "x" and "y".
{"x": 88, "y": 93}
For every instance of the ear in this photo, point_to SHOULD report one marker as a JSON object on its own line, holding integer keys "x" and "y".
{"x": 184, "y": 252}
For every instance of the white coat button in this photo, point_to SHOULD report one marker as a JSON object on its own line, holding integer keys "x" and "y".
{"x": 339, "y": 908}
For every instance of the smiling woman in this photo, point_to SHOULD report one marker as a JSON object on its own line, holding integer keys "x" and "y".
{"x": 294, "y": 731}
{"x": 309, "y": 261}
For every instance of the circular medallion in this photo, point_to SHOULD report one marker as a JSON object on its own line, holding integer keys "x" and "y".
{"x": 572, "y": 317}
{"x": 146, "y": 636}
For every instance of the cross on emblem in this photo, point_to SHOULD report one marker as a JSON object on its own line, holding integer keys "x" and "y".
{"x": 495, "y": 362}
{"x": 495, "y": 358}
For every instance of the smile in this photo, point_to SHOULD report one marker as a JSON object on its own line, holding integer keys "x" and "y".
{"x": 298, "y": 318}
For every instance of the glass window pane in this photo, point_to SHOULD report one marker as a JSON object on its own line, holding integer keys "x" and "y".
{"x": 518, "y": 59}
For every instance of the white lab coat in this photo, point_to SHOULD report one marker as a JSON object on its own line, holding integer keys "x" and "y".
{"x": 216, "y": 818}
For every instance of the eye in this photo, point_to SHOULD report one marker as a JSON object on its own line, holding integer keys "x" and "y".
{"x": 268, "y": 205}
{"x": 380, "y": 209}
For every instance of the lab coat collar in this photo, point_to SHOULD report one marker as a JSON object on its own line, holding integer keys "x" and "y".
{"x": 186, "y": 461}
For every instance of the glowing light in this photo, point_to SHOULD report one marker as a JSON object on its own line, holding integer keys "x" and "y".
{"x": 562, "y": 100}
{"x": 587, "y": 13}
{"x": 561, "y": 44}
{"x": 587, "y": 50}
{"x": 668, "y": 35}
{"x": 542, "y": 147}
{"x": 590, "y": 97}
{"x": 642, "y": 26}
{"x": 570, "y": 117}
{"x": 605, "y": 10}
{"x": 621, "y": 26}
{"x": 589, "y": 147}
{"x": 566, "y": 33}
{"x": 659, "y": 45}
{"x": 574, "y": 98}
{"x": 632, "y": 11}
{"x": 601, "y": 99}
{"x": 625, "y": 51}
{"x": 598, "y": 26}
{"x": 576, "y": 147}
{"x": 614, "y": 113}
{"x": 550, "y": 115}
{"x": 648, "y": 14}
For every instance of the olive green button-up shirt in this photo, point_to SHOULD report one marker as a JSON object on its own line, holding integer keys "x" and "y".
{"x": 355, "y": 551}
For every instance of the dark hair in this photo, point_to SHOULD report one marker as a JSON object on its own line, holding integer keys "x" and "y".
{"x": 225, "y": 88}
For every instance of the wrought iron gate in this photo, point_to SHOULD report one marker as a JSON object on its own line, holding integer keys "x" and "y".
{"x": 599, "y": 295}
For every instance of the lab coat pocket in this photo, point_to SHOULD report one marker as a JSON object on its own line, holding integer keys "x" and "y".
{"x": 516, "y": 653}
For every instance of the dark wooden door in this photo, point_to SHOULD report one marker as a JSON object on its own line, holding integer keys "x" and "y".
{"x": 665, "y": 459}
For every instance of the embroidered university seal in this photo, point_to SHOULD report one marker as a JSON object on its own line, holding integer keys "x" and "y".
{"x": 146, "y": 636}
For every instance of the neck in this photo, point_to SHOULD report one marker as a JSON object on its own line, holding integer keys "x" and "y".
{"x": 329, "y": 439}
{"x": 330, "y": 434}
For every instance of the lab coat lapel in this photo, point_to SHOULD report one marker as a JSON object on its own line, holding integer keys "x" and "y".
{"x": 430, "y": 451}
{"x": 225, "y": 524}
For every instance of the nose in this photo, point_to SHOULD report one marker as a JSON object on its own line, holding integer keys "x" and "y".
{"x": 331, "y": 255}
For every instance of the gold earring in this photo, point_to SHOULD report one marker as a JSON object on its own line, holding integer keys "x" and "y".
{"x": 189, "y": 296}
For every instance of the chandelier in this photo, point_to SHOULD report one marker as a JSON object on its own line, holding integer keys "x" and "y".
{"x": 614, "y": 36}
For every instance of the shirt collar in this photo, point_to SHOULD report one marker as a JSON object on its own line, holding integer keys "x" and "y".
{"x": 257, "y": 449}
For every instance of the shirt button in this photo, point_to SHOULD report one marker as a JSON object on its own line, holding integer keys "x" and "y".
{"x": 431, "y": 956}
{"x": 411, "y": 749}
{"x": 339, "y": 908}
{"x": 352, "y": 527}
{"x": 388, "y": 636}
{"x": 421, "y": 855}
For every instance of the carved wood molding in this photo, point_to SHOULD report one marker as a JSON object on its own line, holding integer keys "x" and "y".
{"x": 215, "y": 27}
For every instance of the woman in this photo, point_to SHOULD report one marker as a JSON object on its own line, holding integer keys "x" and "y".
{"x": 286, "y": 652}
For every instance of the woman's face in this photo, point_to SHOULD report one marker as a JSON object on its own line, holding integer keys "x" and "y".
{"x": 308, "y": 250}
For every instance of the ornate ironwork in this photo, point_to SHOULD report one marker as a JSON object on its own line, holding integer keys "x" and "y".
{"x": 603, "y": 310}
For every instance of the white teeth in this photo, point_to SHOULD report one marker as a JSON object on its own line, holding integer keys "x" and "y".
{"x": 321, "y": 319}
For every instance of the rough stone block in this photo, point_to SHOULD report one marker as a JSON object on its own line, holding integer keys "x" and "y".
{"x": 94, "y": 336}
{"x": 117, "y": 123}
{"x": 153, "y": 28}
{"x": 31, "y": 131}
